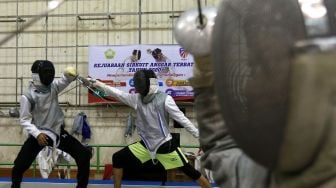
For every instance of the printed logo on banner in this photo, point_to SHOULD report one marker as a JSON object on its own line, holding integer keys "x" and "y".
{"x": 181, "y": 83}
{"x": 109, "y": 54}
{"x": 171, "y": 92}
{"x": 132, "y": 90}
{"x": 131, "y": 82}
{"x": 178, "y": 93}
{"x": 183, "y": 54}
{"x": 171, "y": 82}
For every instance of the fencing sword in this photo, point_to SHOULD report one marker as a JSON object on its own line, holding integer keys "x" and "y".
{"x": 88, "y": 84}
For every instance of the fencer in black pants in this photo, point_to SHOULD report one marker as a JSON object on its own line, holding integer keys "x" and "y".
{"x": 42, "y": 117}
{"x": 68, "y": 144}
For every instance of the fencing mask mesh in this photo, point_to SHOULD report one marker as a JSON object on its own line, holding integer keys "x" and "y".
{"x": 46, "y": 71}
{"x": 253, "y": 54}
{"x": 142, "y": 81}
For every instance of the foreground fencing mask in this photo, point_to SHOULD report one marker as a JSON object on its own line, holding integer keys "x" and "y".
{"x": 45, "y": 70}
{"x": 142, "y": 81}
{"x": 269, "y": 62}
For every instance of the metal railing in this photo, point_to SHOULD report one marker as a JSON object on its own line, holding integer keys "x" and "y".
{"x": 97, "y": 150}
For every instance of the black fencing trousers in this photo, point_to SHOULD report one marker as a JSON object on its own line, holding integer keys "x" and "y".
{"x": 68, "y": 144}
{"x": 124, "y": 158}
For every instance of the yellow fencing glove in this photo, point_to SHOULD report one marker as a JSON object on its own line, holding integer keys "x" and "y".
{"x": 70, "y": 72}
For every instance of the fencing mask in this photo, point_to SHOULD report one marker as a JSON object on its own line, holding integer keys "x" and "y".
{"x": 136, "y": 55}
{"x": 43, "y": 71}
{"x": 142, "y": 81}
{"x": 157, "y": 54}
{"x": 274, "y": 74}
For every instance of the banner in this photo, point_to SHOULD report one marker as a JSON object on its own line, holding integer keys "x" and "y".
{"x": 115, "y": 66}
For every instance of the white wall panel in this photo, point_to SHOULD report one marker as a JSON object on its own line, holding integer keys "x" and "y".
{"x": 157, "y": 29}
{"x": 123, "y": 29}
{"x": 123, "y": 37}
{"x": 35, "y": 36}
{"x": 61, "y": 31}
{"x": 7, "y": 87}
{"x": 32, "y": 7}
{"x": 62, "y": 57}
{"x": 7, "y": 28}
{"x": 156, "y": 5}
{"x": 117, "y": 6}
{"x": 185, "y": 4}
{"x": 7, "y": 58}
{"x": 28, "y": 56}
{"x": 8, "y": 8}
{"x": 92, "y": 6}
{"x": 92, "y": 32}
